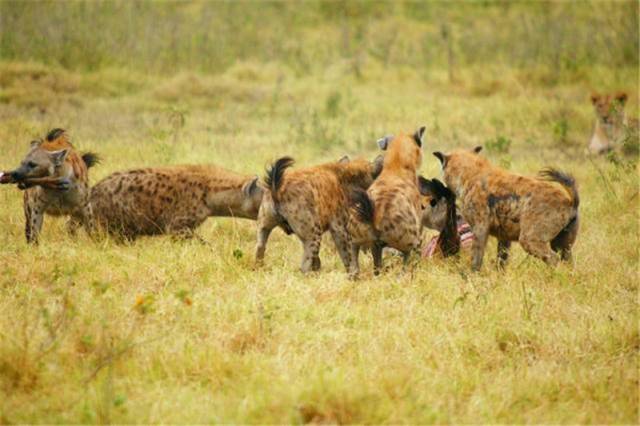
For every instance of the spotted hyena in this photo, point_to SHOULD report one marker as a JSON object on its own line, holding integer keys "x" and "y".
{"x": 540, "y": 213}
{"x": 389, "y": 212}
{"x": 55, "y": 180}
{"x": 171, "y": 200}
{"x": 310, "y": 201}
{"x": 612, "y": 129}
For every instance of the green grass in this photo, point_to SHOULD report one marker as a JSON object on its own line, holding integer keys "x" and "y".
{"x": 179, "y": 332}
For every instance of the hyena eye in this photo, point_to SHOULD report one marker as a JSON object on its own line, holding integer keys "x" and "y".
{"x": 433, "y": 202}
{"x": 31, "y": 165}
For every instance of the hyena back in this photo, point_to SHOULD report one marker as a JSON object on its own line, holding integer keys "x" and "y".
{"x": 171, "y": 200}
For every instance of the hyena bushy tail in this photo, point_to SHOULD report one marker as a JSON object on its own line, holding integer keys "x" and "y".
{"x": 275, "y": 173}
{"x": 90, "y": 159}
{"x": 363, "y": 206}
{"x": 563, "y": 242}
{"x": 564, "y": 179}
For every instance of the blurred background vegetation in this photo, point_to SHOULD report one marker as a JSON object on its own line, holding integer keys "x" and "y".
{"x": 308, "y": 37}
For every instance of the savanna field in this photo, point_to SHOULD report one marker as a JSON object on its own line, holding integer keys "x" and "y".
{"x": 164, "y": 330}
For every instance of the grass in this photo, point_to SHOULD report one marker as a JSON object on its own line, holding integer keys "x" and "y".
{"x": 179, "y": 332}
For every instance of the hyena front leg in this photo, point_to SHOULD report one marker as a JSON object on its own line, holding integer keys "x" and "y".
{"x": 82, "y": 217}
{"x": 376, "y": 253}
{"x": 503, "y": 252}
{"x": 481, "y": 232}
{"x": 34, "y": 215}
{"x": 354, "y": 270}
{"x": 87, "y": 219}
{"x": 411, "y": 257}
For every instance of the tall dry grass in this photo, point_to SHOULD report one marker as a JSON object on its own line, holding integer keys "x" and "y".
{"x": 179, "y": 332}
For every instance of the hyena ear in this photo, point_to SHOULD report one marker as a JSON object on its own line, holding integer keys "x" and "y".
{"x": 418, "y": 136}
{"x": 58, "y": 157}
{"x": 344, "y": 159}
{"x": 252, "y": 187}
{"x": 621, "y": 97}
{"x": 594, "y": 98}
{"x": 443, "y": 158}
{"x": 377, "y": 165}
{"x": 383, "y": 143}
{"x": 35, "y": 143}
{"x": 477, "y": 149}
{"x": 55, "y": 134}
{"x": 424, "y": 186}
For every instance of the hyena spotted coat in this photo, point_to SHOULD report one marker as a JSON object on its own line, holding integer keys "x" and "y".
{"x": 389, "y": 213}
{"x": 171, "y": 200}
{"x": 540, "y": 213}
{"x": 311, "y": 201}
{"x": 55, "y": 178}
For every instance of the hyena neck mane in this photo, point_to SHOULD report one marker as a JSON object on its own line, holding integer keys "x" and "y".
{"x": 462, "y": 175}
{"x": 449, "y": 239}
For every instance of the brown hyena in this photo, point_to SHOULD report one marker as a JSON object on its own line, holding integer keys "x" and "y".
{"x": 612, "y": 130}
{"x": 56, "y": 182}
{"x": 171, "y": 200}
{"x": 537, "y": 212}
{"x": 389, "y": 212}
{"x": 311, "y": 201}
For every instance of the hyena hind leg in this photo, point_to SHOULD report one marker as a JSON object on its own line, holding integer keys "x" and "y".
{"x": 311, "y": 251}
{"x": 540, "y": 249}
{"x": 34, "y": 216}
{"x": 563, "y": 242}
{"x": 343, "y": 245}
{"x": 503, "y": 252}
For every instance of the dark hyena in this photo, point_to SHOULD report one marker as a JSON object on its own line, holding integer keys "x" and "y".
{"x": 536, "y": 212}
{"x": 311, "y": 201}
{"x": 56, "y": 182}
{"x": 172, "y": 200}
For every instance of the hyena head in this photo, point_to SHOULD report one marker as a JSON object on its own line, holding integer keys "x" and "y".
{"x": 609, "y": 109}
{"x": 252, "y": 191}
{"x": 39, "y": 162}
{"x": 403, "y": 151}
{"x": 359, "y": 172}
{"x": 460, "y": 164}
{"x": 436, "y": 201}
